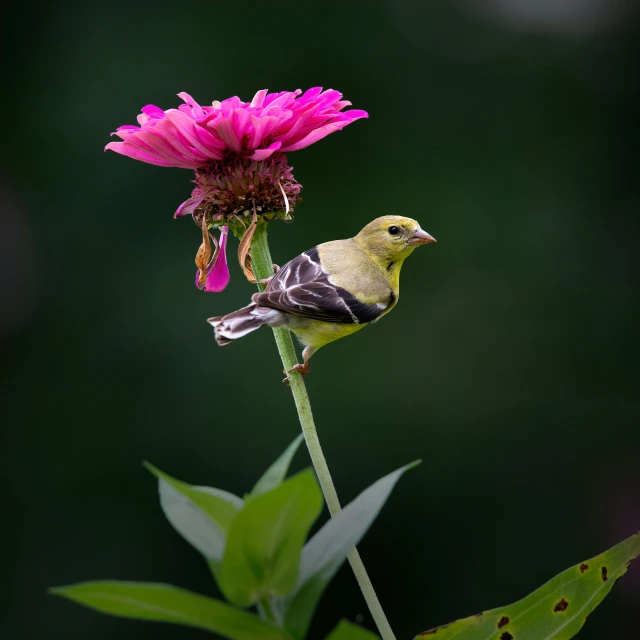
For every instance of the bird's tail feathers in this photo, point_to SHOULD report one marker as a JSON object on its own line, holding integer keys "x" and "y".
{"x": 237, "y": 324}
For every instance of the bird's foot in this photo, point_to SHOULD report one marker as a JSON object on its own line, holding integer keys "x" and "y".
{"x": 303, "y": 369}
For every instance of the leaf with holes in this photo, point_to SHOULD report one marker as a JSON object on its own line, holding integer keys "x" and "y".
{"x": 165, "y": 603}
{"x": 555, "y": 611}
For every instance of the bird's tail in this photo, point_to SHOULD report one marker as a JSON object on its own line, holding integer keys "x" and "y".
{"x": 237, "y": 324}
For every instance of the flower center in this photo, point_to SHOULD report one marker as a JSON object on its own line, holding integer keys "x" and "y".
{"x": 233, "y": 187}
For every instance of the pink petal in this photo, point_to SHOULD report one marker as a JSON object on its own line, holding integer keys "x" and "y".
{"x": 263, "y": 154}
{"x": 314, "y": 136}
{"x": 291, "y": 95}
{"x": 355, "y": 114}
{"x": 232, "y": 103}
{"x": 136, "y": 153}
{"x": 330, "y": 96}
{"x": 196, "y": 110}
{"x": 325, "y": 130}
{"x": 189, "y": 206}
{"x": 191, "y": 136}
{"x": 309, "y": 95}
{"x": 198, "y": 139}
{"x": 284, "y": 100}
{"x": 258, "y": 99}
{"x": 170, "y": 139}
{"x": 165, "y": 146}
{"x": 298, "y": 126}
{"x": 152, "y": 110}
{"x": 262, "y": 128}
{"x": 232, "y": 128}
{"x": 218, "y": 273}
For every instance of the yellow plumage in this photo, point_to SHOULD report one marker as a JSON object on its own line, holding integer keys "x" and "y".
{"x": 332, "y": 290}
{"x": 319, "y": 333}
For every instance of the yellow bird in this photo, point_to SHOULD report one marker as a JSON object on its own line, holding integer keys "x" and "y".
{"x": 332, "y": 290}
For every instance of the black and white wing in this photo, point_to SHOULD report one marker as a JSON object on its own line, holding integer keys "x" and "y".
{"x": 302, "y": 288}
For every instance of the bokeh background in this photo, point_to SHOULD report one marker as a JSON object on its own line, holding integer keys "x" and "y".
{"x": 508, "y": 128}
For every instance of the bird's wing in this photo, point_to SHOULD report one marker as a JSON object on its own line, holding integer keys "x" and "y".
{"x": 302, "y": 288}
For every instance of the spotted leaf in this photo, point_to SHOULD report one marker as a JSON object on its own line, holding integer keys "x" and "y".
{"x": 555, "y": 611}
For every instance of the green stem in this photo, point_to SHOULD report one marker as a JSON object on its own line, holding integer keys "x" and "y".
{"x": 263, "y": 268}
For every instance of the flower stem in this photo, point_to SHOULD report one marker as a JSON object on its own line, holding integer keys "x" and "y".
{"x": 263, "y": 268}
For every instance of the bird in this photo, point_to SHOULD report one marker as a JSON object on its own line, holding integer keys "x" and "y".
{"x": 332, "y": 290}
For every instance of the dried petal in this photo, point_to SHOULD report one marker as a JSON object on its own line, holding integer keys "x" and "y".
{"x": 203, "y": 257}
{"x": 244, "y": 250}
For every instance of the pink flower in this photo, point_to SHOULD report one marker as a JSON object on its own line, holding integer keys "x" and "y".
{"x": 190, "y": 136}
{"x": 237, "y": 150}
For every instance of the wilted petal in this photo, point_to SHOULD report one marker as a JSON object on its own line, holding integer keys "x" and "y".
{"x": 218, "y": 270}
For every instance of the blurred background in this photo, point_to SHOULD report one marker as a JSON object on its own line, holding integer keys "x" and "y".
{"x": 510, "y": 366}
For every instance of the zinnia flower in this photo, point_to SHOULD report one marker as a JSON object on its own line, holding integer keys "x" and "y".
{"x": 237, "y": 150}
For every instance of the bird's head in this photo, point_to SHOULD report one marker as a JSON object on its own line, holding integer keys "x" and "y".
{"x": 392, "y": 237}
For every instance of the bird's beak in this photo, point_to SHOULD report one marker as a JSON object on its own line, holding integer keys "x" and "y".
{"x": 421, "y": 237}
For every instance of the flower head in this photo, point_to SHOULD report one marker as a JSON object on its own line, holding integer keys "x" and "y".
{"x": 191, "y": 136}
{"x": 237, "y": 150}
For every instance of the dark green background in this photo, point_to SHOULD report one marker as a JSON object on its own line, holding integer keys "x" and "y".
{"x": 510, "y": 365}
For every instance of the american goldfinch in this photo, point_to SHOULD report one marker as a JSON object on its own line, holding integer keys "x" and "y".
{"x": 332, "y": 290}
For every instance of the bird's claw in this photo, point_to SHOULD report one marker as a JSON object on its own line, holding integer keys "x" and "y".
{"x": 302, "y": 369}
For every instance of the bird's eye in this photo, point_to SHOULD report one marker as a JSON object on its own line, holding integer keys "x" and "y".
{"x": 393, "y": 230}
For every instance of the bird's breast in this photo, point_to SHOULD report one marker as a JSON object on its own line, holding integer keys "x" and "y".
{"x": 315, "y": 333}
{"x": 350, "y": 268}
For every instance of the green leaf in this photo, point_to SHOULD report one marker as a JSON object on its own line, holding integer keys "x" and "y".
{"x": 165, "y": 603}
{"x": 275, "y": 474}
{"x": 194, "y": 524}
{"x": 555, "y": 611}
{"x": 323, "y": 555}
{"x": 349, "y": 631}
{"x": 262, "y": 556}
{"x": 202, "y": 515}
